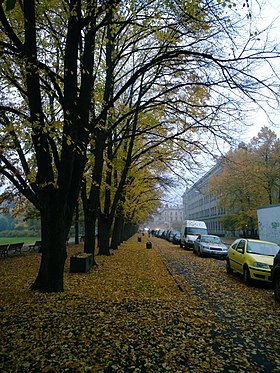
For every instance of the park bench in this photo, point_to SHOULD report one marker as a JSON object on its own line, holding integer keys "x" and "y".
{"x": 4, "y": 249}
{"x": 36, "y": 246}
{"x": 15, "y": 247}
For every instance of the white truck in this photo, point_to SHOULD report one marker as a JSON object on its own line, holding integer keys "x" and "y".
{"x": 189, "y": 232}
{"x": 269, "y": 223}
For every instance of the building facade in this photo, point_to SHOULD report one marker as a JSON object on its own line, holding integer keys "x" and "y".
{"x": 200, "y": 205}
{"x": 168, "y": 217}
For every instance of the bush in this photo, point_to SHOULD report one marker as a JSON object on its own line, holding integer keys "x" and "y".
{"x": 16, "y": 233}
{"x": 4, "y": 223}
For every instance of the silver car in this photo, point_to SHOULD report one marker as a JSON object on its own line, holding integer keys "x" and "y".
{"x": 209, "y": 245}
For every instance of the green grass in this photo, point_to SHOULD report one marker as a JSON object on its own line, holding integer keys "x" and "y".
{"x": 26, "y": 240}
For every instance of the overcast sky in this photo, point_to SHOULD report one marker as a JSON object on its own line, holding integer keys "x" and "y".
{"x": 270, "y": 14}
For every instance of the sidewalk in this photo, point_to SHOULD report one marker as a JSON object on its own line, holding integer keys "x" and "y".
{"x": 126, "y": 315}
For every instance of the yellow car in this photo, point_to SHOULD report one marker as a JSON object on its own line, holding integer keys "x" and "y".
{"x": 252, "y": 258}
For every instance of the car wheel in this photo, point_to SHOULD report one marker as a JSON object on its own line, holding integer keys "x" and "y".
{"x": 246, "y": 276}
{"x": 277, "y": 288}
{"x": 228, "y": 268}
{"x": 199, "y": 253}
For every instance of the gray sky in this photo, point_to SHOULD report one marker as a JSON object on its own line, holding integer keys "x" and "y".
{"x": 270, "y": 15}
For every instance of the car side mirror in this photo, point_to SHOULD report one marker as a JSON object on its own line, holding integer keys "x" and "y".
{"x": 240, "y": 250}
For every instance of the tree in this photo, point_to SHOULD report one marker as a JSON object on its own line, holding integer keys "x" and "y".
{"x": 46, "y": 127}
{"x": 249, "y": 178}
{"x": 4, "y": 223}
{"x": 141, "y": 195}
{"x": 141, "y": 54}
{"x": 237, "y": 192}
{"x": 266, "y": 145}
{"x": 120, "y": 124}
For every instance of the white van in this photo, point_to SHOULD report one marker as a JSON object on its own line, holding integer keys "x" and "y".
{"x": 189, "y": 232}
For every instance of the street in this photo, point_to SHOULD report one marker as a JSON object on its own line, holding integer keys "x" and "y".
{"x": 246, "y": 319}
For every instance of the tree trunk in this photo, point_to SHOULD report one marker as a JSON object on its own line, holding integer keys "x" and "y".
{"x": 77, "y": 224}
{"x": 125, "y": 231}
{"x": 104, "y": 226}
{"x": 54, "y": 235}
{"x": 89, "y": 246}
{"x": 117, "y": 232}
{"x": 128, "y": 230}
{"x": 89, "y": 221}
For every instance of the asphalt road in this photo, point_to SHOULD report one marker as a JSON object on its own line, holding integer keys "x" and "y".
{"x": 247, "y": 319}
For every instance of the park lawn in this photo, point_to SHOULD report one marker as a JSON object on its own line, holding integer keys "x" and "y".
{"x": 26, "y": 240}
{"x": 125, "y": 315}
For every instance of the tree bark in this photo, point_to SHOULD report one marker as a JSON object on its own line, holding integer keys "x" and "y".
{"x": 90, "y": 207}
{"x": 77, "y": 224}
{"x": 54, "y": 235}
{"x": 117, "y": 232}
{"x": 104, "y": 226}
{"x": 89, "y": 244}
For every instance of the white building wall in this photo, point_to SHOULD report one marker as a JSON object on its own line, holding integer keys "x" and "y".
{"x": 199, "y": 205}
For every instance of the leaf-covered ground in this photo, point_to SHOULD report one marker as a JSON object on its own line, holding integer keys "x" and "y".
{"x": 246, "y": 336}
{"x": 129, "y": 315}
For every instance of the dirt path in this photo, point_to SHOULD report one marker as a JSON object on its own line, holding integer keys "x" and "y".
{"x": 247, "y": 319}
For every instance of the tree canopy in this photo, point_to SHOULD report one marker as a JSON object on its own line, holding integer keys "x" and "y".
{"x": 249, "y": 178}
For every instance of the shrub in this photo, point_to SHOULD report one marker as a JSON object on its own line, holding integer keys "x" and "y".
{"x": 16, "y": 233}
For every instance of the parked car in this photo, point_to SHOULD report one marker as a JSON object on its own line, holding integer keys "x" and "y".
{"x": 168, "y": 235}
{"x": 164, "y": 234}
{"x": 210, "y": 245}
{"x": 189, "y": 232}
{"x": 171, "y": 234}
{"x": 252, "y": 258}
{"x": 176, "y": 239}
{"x": 159, "y": 233}
{"x": 275, "y": 276}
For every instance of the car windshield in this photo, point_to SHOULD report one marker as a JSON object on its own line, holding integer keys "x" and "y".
{"x": 195, "y": 230}
{"x": 262, "y": 248}
{"x": 210, "y": 239}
